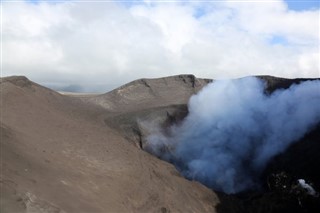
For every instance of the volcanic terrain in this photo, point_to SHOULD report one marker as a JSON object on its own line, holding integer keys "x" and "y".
{"x": 87, "y": 153}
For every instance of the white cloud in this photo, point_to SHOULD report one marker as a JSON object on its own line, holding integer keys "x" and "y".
{"x": 102, "y": 45}
{"x": 269, "y": 18}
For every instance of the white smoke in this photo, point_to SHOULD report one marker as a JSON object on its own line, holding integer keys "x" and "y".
{"x": 309, "y": 189}
{"x": 234, "y": 128}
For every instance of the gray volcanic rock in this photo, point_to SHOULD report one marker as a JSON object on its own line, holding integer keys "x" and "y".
{"x": 274, "y": 83}
{"x": 151, "y": 102}
{"x": 150, "y": 93}
{"x": 58, "y": 155}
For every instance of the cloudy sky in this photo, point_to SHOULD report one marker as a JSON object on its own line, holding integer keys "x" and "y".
{"x": 91, "y": 46}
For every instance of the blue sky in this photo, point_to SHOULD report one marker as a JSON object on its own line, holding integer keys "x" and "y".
{"x": 301, "y": 5}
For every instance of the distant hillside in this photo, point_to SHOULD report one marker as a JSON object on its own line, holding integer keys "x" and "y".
{"x": 150, "y": 93}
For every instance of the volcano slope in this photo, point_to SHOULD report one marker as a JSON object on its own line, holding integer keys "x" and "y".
{"x": 86, "y": 153}
{"x": 59, "y": 154}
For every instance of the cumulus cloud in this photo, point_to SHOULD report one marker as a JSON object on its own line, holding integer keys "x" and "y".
{"x": 100, "y": 45}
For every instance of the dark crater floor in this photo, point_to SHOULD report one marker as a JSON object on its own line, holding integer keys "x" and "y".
{"x": 280, "y": 189}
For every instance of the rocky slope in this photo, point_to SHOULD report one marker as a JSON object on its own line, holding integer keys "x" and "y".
{"x": 162, "y": 101}
{"x": 150, "y": 93}
{"x": 86, "y": 153}
{"x": 58, "y": 155}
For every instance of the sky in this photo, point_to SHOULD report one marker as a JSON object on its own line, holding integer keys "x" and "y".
{"x": 96, "y": 46}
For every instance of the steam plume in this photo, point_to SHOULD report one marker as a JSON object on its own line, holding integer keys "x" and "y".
{"x": 233, "y": 129}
